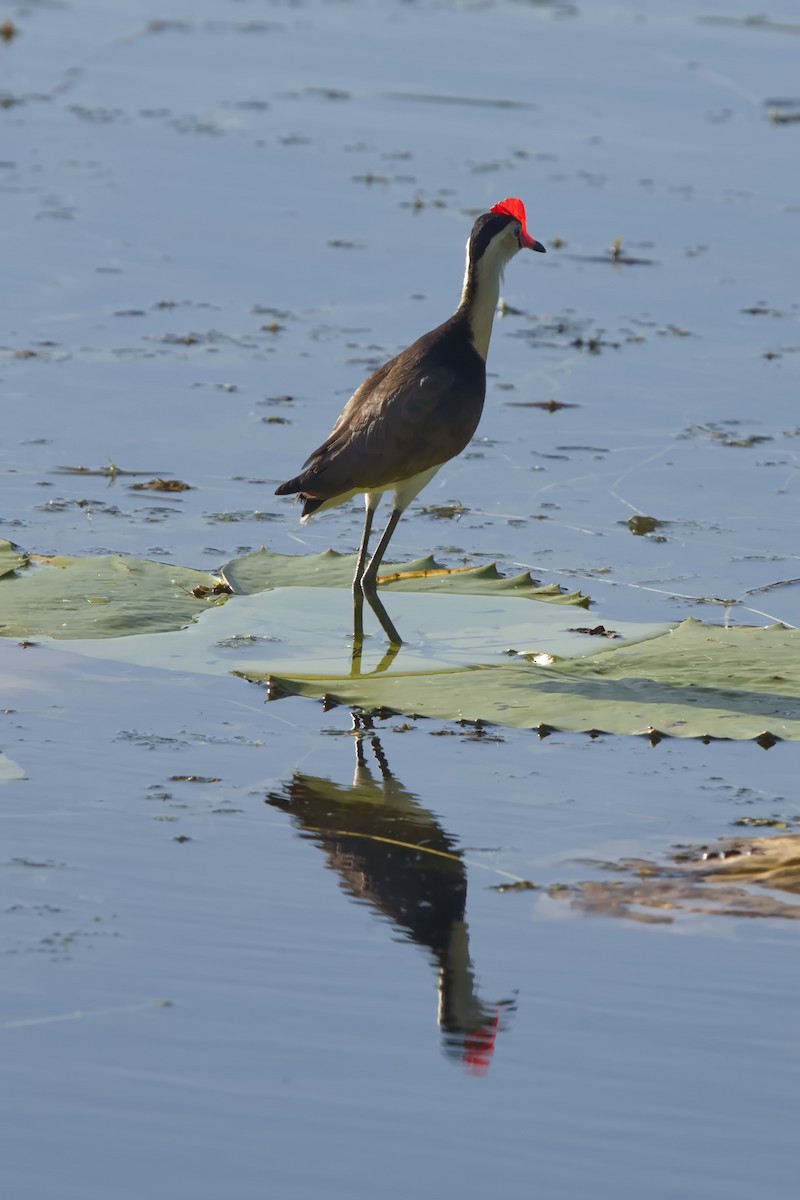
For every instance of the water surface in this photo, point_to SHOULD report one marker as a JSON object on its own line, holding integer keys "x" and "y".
{"x": 248, "y": 948}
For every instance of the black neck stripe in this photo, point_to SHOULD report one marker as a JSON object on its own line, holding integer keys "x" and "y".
{"x": 485, "y": 228}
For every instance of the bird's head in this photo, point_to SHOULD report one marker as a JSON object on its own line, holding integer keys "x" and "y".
{"x": 501, "y": 232}
{"x": 496, "y": 237}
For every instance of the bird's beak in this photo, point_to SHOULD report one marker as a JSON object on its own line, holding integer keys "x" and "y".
{"x": 530, "y": 243}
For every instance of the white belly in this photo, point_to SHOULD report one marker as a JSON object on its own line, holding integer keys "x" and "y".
{"x": 407, "y": 489}
{"x": 404, "y": 492}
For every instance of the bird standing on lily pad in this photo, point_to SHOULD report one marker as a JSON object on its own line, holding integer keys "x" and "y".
{"x": 418, "y": 410}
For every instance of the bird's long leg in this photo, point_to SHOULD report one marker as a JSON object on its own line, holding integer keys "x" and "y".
{"x": 362, "y": 549}
{"x": 369, "y": 580}
{"x": 370, "y": 576}
{"x": 364, "y": 585}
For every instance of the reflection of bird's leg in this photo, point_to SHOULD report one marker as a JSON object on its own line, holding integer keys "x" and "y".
{"x": 363, "y": 724}
{"x": 361, "y": 759}
{"x": 358, "y": 633}
{"x": 385, "y": 620}
{"x": 380, "y": 756}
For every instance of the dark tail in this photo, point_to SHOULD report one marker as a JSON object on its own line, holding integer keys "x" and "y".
{"x": 294, "y": 487}
{"x": 290, "y": 487}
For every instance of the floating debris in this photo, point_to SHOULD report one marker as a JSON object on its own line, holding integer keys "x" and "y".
{"x": 220, "y": 588}
{"x": 783, "y": 118}
{"x": 109, "y": 472}
{"x": 615, "y": 255}
{"x": 597, "y": 631}
{"x": 468, "y": 101}
{"x": 162, "y": 485}
{"x": 763, "y": 310}
{"x": 195, "y": 779}
{"x": 547, "y": 405}
{"x": 444, "y": 511}
{"x": 753, "y": 21}
{"x": 727, "y": 439}
{"x": 640, "y": 525}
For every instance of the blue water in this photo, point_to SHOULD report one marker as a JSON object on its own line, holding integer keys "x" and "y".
{"x": 254, "y": 201}
{"x": 218, "y": 1014}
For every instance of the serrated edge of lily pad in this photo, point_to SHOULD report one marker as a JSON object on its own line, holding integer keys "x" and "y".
{"x": 421, "y": 575}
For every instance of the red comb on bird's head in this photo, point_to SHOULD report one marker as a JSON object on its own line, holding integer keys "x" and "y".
{"x": 512, "y": 207}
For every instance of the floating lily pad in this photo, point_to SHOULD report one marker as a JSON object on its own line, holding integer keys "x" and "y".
{"x": 696, "y": 680}
{"x": 307, "y": 632}
{"x": 104, "y": 597}
{"x": 116, "y": 596}
{"x": 478, "y": 646}
{"x": 11, "y": 558}
{"x": 262, "y": 570}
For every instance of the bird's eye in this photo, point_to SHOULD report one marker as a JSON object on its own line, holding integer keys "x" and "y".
{"x": 517, "y": 232}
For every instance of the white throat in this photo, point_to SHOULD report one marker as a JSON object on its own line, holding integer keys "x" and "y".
{"x": 481, "y": 291}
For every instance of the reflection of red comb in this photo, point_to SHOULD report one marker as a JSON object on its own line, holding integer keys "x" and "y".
{"x": 479, "y": 1047}
{"x": 512, "y": 207}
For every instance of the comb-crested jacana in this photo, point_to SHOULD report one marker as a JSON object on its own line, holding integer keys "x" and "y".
{"x": 422, "y": 407}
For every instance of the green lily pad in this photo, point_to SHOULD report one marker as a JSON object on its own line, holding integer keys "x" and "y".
{"x": 11, "y": 558}
{"x": 307, "y": 631}
{"x": 117, "y": 596}
{"x": 103, "y": 597}
{"x": 262, "y": 570}
{"x": 476, "y": 647}
{"x": 696, "y": 680}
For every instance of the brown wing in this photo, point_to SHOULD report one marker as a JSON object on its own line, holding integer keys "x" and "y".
{"x": 418, "y": 410}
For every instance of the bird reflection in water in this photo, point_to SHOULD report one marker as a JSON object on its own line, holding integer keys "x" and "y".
{"x": 390, "y": 851}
